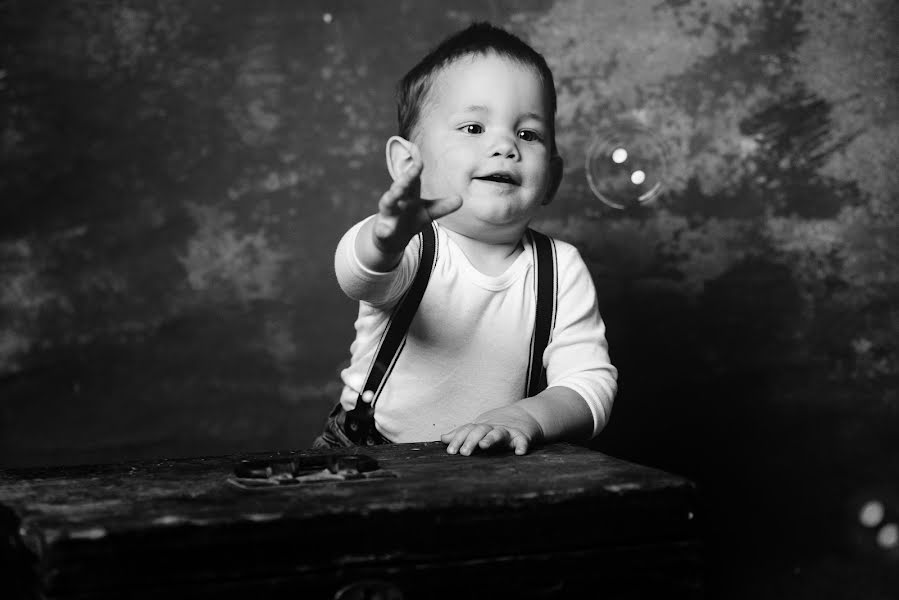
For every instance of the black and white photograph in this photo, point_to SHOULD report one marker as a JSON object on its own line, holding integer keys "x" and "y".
{"x": 399, "y": 300}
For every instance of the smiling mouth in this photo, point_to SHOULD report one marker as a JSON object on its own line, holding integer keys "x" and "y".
{"x": 499, "y": 178}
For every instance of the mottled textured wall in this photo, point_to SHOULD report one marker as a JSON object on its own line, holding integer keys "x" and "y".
{"x": 176, "y": 176}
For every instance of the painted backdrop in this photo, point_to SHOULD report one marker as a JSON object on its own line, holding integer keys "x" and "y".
{"x": 176, "y": 176}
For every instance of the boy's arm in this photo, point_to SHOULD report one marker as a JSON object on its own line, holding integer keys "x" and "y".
{"x": 561, "y": 413}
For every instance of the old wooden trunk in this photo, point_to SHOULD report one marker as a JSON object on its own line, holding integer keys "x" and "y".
{"x": 413, "y": 522}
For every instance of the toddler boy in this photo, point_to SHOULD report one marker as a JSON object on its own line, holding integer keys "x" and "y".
{"x": 447, "y": 343}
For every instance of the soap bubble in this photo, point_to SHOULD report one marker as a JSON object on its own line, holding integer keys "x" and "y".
{"x": 626, "y": 165}
{"x": 871, "y": 513}
{"x": 888, "y": 536}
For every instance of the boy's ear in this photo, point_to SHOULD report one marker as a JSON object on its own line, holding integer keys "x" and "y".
{"x": 399, "y": 156}
{"x": 556, "y": 165}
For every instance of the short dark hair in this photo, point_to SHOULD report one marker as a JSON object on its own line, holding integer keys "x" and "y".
{"x": 477, "y": 39}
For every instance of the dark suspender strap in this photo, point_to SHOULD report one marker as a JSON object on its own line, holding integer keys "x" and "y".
{"x": 360, "y": 422}
{"x": 545, "y": 284}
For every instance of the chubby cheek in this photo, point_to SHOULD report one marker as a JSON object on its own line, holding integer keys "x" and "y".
{"x": 540, "y": 177}
{"x": 432, "y": 184}
{"x": 446, "y": 173}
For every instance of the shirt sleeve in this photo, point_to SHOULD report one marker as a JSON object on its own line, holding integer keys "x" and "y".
{"x": 361, "y": 283}
{"x": 577, "y": 356}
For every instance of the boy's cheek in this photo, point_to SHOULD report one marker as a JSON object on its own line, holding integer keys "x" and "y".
{"x": 445, "y": 174}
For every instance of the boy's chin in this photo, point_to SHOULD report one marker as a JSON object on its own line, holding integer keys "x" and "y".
{"x": 490, "y": 229}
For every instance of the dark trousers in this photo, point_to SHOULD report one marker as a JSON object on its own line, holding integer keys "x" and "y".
{"x": 334, "y": 434}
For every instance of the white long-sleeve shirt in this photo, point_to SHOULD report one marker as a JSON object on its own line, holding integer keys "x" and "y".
{"x": 467, "y": 347}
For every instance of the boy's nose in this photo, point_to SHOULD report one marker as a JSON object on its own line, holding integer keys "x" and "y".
{"x": 504, "y": 145}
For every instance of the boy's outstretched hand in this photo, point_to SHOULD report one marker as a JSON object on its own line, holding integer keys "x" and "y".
{"x": 402, "y": 212}
{"x": 507, "y": 427}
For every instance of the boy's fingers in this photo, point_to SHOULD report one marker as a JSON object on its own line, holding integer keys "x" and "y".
{"x": 519, "y": 443}
{"x": 447, "y": 438}
{"x": 415, "y": 167}
{"x": 475, "y": 435}
{"x": 395, "y": 200}
{"x": 411, "y": 174}
{"x": 463, "y": 440}
{"x": 405, "y": 187}
{"x": 495, "y": 436}
{"x": 456, "y": 437}
{"x": 387, "y": 203}
{"x": 404, "y": 181}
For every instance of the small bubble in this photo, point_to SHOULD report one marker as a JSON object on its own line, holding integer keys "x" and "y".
{"x": 638, "y": 182}
{"x": 368, "y": 396}
{"x": 888, "y": 536}
{"x": 327, "y": 17}
{"x": 871, "y": 514}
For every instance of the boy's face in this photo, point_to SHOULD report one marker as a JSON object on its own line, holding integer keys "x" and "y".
{"x": 484, "y": 135}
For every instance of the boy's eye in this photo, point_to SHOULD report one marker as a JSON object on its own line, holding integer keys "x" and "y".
{"x": 473, "y": 128}
{"x": 529, "y": 135}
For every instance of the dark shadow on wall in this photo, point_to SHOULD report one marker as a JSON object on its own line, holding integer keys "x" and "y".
{"x": 713, "y": 389}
